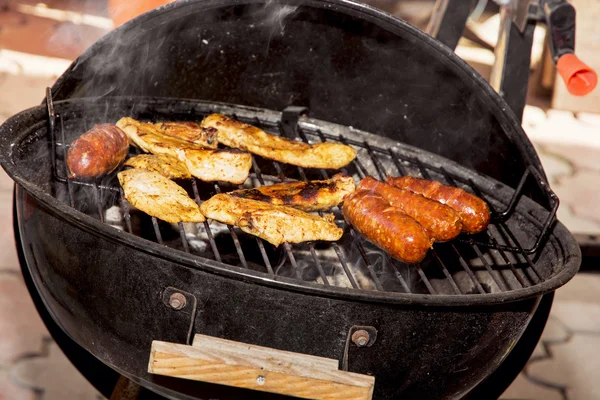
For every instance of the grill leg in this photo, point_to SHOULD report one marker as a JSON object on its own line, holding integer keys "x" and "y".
{"x": 448, "y": 20}
{"x": 125, "y": 390}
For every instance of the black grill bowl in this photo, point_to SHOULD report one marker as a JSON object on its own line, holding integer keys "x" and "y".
{"x": 352, "y": 66}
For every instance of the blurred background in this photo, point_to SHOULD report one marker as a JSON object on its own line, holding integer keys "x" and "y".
{"x": 38, "y": 40}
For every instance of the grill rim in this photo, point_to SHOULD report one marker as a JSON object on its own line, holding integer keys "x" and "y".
{"x": 566, "y": 248}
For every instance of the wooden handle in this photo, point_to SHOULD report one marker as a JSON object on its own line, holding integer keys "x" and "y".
{"x": 241, "y": 365}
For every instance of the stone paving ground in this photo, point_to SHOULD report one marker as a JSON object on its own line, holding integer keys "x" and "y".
{"x": 565, "y": 364}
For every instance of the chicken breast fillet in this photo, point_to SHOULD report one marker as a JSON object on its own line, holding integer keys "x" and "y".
{"x": 167, "y": 134}
{"x": 167, "y": 166}
{"x": 306, "y": 196}
{"x": 242, "y": 136}
{"x": 158, "y": 196}
{"x": 217, "y": 165}
{"x": 149, "y": 139}
{"x": 275, "y": 224}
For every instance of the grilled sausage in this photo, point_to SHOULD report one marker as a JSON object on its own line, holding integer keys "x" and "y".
{"x": 441, "y": 221}
{"x": 386, "y": 226}
{"x": 474, "y": 212}
{"x": 97, "y": 152}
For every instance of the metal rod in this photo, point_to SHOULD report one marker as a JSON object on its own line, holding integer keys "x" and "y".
{"x": 401, "y": 279}
{"x": 157, "y": 230}
{"x": 125, "y": 208}
{"x": 186, "y": 246}
{"x": 466, "y": 268}
{"x": 236, "y": 241}
{"x": 515, "y": 272}
{"x": 488, "y": 268}
{"x": 401, "y": 169}
{"x": 98, "y": 202}
{"x": 211, "y": 239}
{"x": 259, "y": 241}
{"x": 366, "y": 260}
{"x": 424, "y": 279}
{"x": 51, "y": 125}
{"x": 290, "y": 255}
{"x": 67, "y": 181}
{"x": 376, "y": 162}
{"x": 446, "y": 272}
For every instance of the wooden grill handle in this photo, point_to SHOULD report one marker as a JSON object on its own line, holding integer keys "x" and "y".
{"x": 230, "y": 363}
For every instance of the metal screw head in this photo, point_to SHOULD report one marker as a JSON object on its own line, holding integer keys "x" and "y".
{"x": 177, "y": 301}
{"x": 360, "y": 338}
{"x": 260, "y": 380}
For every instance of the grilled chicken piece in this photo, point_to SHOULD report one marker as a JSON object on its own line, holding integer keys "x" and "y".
{"x": 242, "y": 136}
{"x": 190, "y": 132}
{"x": 160, "y": 137}
{"x": 306, "y": 196}
{"x": 275, "y": 224}
{"x": 158, "y": 196}
{"x": 148, "y": 138}
{"x": 167, "y": 166}
{"x": 217, "y": 165}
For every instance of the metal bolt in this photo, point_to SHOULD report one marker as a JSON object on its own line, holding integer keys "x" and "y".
{"x": 360, "y": 338}
{"x": 177, "y": 301}
{"x": 260, "y": 380}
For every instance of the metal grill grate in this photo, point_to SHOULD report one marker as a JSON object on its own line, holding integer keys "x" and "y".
{"x": 491, "y": 262}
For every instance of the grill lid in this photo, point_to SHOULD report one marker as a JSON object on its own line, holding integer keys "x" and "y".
{"x": 523, "y": 253}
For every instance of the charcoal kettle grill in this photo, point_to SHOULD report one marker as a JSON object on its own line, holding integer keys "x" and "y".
{"x": 104, "y": 274}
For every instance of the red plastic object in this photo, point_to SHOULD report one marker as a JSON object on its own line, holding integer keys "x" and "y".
{"x": 579, "y": 78}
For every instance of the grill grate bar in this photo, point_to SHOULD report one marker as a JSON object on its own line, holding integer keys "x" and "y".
{"x": 125, "y": 208}
{"x": 290, "y": 255}
{"x": 157, "y": 230}
{"x": 184, "y": 240}
{"x": 446, "y": 272}
{"x": 425, "y": 280}
{"x": 365, "y": 258}
{"x": 259, "y": 241}
{"x": 535, "y": 277}
{"x": 236, "y": 241}
{"x": 311, "y": 247}
{"x": 468, "y": 270}
{"x": 211, "y": 239}
{"x": 488, "y": 268}
{"x": 401, "y": 169}
{"x": 98, "y": 202}
{"x": 401, "y": 280}
{"x": 376, "y": 162}
{"x": 64, "y": 151}
{"x": 516, "y": 273}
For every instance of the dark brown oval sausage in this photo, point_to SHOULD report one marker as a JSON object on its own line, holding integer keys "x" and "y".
{"x": 441, "y": 221}
{"x": 474, "y": 212}
{"x": 386, "y": 226}
{"x": 97, "y": 152}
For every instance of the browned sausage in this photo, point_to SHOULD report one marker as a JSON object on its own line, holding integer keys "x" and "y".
{"x": 474, "y": 212}
{"x": 441, "y": 221}
{"x": 97, "y": 152}
{"x": 386, "y": 226}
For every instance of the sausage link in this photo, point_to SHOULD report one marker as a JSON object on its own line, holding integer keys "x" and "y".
{"x": 441, "y": 221}
{"x": 386, "y": 226}
{"x": 473, "y": 211}
{"x": 97, "y": 152}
